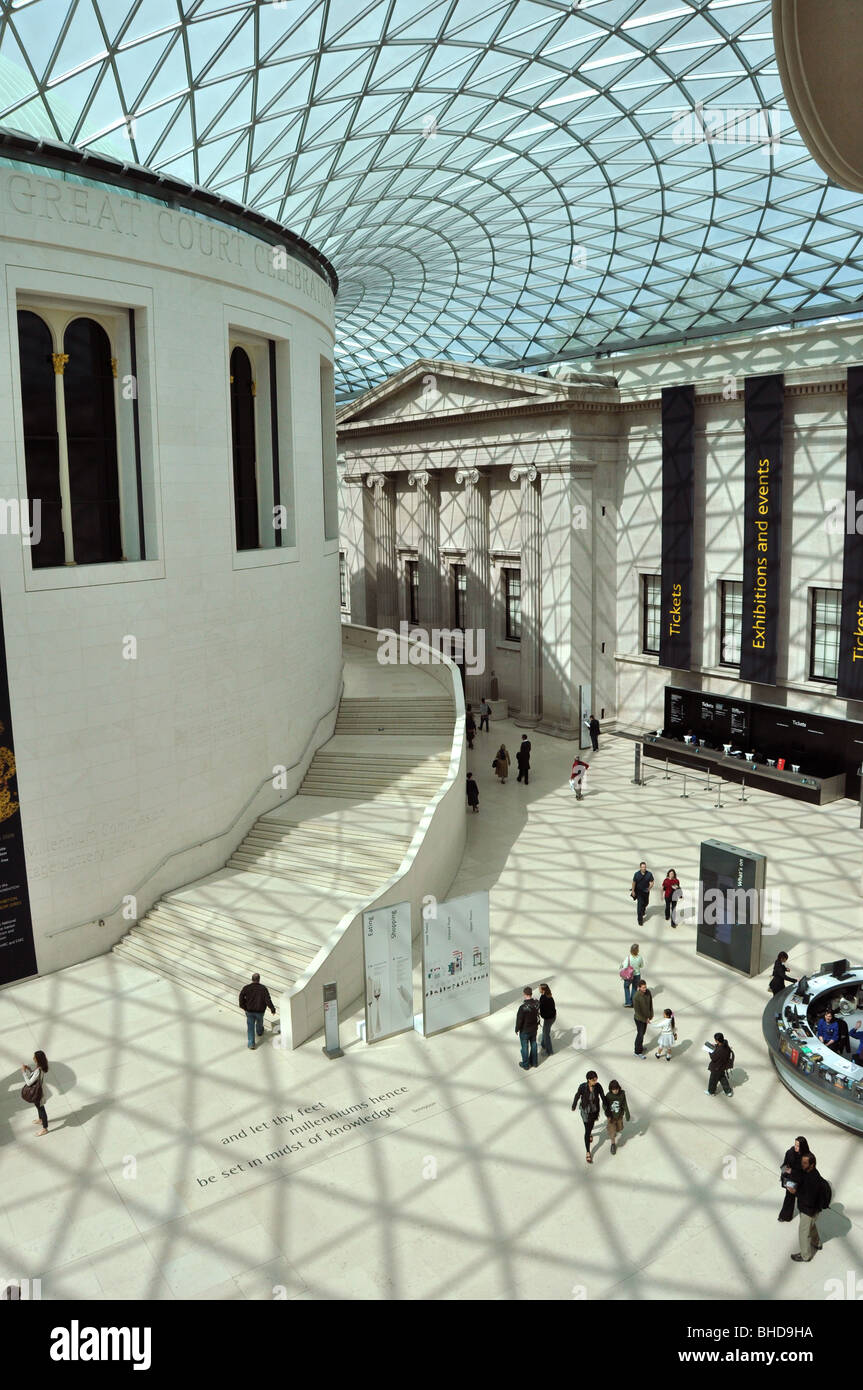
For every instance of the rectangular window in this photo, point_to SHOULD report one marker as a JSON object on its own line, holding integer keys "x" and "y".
{"x": 328, "y": 451}
{"x": 651, "y": 605}
{"x": 459, "y": 585}
{"x": 824, "y": 641}
{"x": 730, "y": 621}
{"x": 412, "y": 576}
{"x": 512, "y": 597}
{"x": 260, "y": 418}
{"x": 343, "y": 581}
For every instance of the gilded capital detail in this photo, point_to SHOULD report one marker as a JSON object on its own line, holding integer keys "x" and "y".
{"x": 59, "y": 359}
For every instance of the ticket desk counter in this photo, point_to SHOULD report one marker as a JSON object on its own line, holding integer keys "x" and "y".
{"x": 828, "y": 1081}
{"x": 735, "y": 768}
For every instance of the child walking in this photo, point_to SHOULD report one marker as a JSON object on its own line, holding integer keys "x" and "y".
{"x": 667, "y": 1035}
{"x": 616, "y": 1111}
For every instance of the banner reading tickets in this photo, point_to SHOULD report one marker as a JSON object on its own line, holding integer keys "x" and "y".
{"x": 388, "y": 971}
{"x": 456, "y": 973}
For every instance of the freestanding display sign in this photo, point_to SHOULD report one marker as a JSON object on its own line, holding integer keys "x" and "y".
{"x": 456, "y": 973}
{"x": 387, "y": 970}
{"x": 585, "y": 709}
{"x": 730, "y": 896}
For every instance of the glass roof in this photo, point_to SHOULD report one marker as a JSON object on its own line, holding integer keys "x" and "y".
{"x": 509, "y": 182}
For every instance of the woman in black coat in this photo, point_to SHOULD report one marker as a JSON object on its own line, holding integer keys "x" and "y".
{"x": 791, "y": 1172}
{"x": 781, "y": 979}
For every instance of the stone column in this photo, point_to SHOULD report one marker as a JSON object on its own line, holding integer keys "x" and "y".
{"x": 569, "y": 596}
{"x": 386, "y": 558}
{"x": 478, "y": 598}
{"x": 531, "y": 578}
{"x": 428, "y": 550}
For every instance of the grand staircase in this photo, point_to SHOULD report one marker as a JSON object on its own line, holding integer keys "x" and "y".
{"x": 302, "y": 866}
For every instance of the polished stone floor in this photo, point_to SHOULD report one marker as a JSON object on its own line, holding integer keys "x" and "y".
{"x": 181, "y": 1165}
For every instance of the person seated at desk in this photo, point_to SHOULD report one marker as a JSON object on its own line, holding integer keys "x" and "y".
{"x": 828, "y": 1030}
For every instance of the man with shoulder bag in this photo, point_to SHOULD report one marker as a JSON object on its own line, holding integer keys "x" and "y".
{"x": 814, "y": 1195}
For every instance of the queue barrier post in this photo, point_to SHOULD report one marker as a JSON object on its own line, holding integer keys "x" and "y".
{"x": 684, "y": 792}
{"x": 743, "y": 796}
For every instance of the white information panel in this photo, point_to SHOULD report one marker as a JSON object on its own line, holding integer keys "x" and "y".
{"x": 389, "y": 985}
{"x": 456, "y": 974}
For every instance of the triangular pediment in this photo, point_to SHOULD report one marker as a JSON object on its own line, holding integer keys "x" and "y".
{"x": 429, "y": 388}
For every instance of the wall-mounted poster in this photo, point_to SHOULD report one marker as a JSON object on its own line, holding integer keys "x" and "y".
{"x": 388, "y": 959}
{"x": 17, "y": 950}
{"x": 456, "y": 972}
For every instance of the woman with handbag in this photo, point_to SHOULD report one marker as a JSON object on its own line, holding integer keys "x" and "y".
{"x": 588, "y": 1099}
{"x": 790, "y": 1174}
{"x": 501, "y": 765}
{"x": 671, "y": 892}
{"x": 631, "y": 970}
{"x": 32, "y": 1091}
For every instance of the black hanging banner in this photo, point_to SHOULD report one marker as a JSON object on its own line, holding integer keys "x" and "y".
{"x": 850, "y": 683}
{"x": 678, "y": 476}
{"x": 762, "y": 527}
{"x": 17, "y": 951}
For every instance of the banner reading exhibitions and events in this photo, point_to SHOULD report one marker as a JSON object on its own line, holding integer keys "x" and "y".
{"x": 456, "y": 976}
{"x": 762, "y": 527}
{"x": 17, "y": 951}
{"x": 850, "y": 683}
{"x": 678, "y": 476}
{"x": 388, "y": 961}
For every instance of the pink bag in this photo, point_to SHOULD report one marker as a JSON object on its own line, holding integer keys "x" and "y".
{"x": 626, "y": 973}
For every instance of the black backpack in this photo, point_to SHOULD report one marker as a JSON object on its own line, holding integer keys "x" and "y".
{"x": 826, "y": 1194}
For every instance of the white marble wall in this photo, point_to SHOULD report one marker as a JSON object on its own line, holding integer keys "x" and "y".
{"x": 121, "y": 762}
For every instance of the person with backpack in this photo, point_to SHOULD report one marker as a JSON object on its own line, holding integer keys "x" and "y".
{"x": 501, "y": 765}
{"x": 720, "y": 1064}
{"x": 526, "y": 1025}
{"x": 814, "y": 1195}
{"x": 472, "y": 793}
{"x": 548, "y": 1013}
{"x": 588, "y": 1098}
{"x": 631, "y": 969}
{"x": 667, "y": 1035}
{"x": 33, "y": 1089}
{"x": 616, "y": 1111}
{"x": 780, "y": 979}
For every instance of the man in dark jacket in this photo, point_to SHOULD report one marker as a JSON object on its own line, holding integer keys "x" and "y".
{"x": 522, "y": 757}
{"x": 526, "y": 1025}
{"x": 642, "y": 882}
{"x": 255, "y": 998}
{"x": 720, "y": 1063}
{"x": 593, "y": 728}
{"x": 812, "y": 1197}
{"x": 642, "y": 1008}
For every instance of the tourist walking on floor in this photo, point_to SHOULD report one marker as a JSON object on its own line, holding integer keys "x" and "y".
{"x": 781, "y": 979}
{"x": 470, "y": 726}
{"x": 501, "y": 764}
{"x": 671, "y": 892}
{"x": 814, "y": 1195}
{"x": 790, "y": 1174}
{"x": 548, "y": 1013}
{"x": 720, "y": 1064}
{"x": 472, "y": 793}
{"x": 616, "y": 1111}
{"x": 522, "y": 757}
{"x": 667, "y": 1026}
{"x": 577, "y": 776}
{"x": 593, "y": 728}
{"x": 254, "y": 999}
{"x": 631, "y": 971}
{"x": 526, "y": 1025}
{"x": 642, "y": 1008}
{"x": 588, "y": 1098}
{"x": 484, "y": 712}
{"x": 642, "y": 882}
{"x": 33, "y": 1090}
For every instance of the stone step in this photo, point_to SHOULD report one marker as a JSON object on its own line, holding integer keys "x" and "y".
{"x": 294, "y": 953}
{"x": 329, "y": 854}
{"x": 219, "y": 994}
{"x": 211, "y": 918}
{"x": 213, "y": 956}
{"x": 347, "y": 879}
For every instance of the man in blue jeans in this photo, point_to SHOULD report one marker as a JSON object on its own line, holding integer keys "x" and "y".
{"x": 526, "y": 1025}
{"x": 254, "y": 999}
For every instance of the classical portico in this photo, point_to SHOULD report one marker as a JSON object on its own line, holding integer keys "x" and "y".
{"x": 487, "y": 492}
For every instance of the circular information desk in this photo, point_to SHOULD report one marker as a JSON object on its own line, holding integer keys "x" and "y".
{"x": 829, "y": 1082}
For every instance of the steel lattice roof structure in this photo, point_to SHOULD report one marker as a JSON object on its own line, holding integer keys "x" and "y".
{"x": 510, "y": 182}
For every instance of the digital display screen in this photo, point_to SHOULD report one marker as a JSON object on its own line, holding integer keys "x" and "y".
{"x": 729, "y": 906}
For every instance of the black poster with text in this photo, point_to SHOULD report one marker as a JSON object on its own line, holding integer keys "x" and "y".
{"x": 17, "y": 951}
{"x": 678, "y": 477}
{"x": 850, "y": 683}
{"x": 762, "y": 527}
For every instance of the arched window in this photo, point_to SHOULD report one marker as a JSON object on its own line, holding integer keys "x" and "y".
{"x": 41, "y": 442}
{"x": 243, "y": 442}
{"x": 91, "y": 438}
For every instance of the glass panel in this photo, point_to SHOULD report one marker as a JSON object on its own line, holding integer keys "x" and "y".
{"x": 41, "y": 444}
{"x": 91, "y": 441}
{"x": 243, "y": 445}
